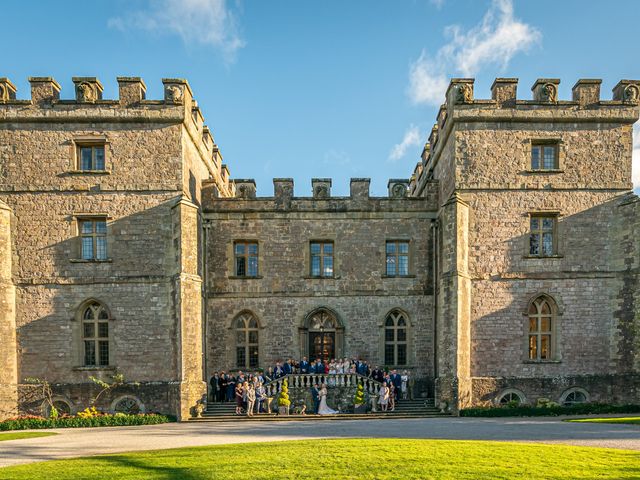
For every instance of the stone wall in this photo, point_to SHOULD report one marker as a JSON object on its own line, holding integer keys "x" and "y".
{"x": 284, "y": 294}
{"x": 157, "y": 155}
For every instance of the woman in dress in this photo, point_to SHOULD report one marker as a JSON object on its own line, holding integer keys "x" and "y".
{"x": 332, "y": 373}
{"x": 383, "y": 397}
{"x": 251, "y": 399}
{"x": 239, "y": 393}
{"x": 405, "y": 382}
{"x": 324, "y": 408}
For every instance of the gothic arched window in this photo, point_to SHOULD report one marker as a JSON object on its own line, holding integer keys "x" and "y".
{"x": 542, "y": 312}
{"x": 246, "y": 326}
{"x": 395, "y": 338}
{"x": 95, "y": 334}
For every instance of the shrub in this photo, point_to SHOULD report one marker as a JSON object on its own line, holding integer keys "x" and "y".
{"x": 551, "y": 409}
{"x": 359, "y": 398}
{"x": 283, "y": 398}
{"x": 99, "y": 420}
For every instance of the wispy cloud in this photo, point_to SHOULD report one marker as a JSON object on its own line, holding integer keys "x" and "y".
{"x": 636, "y": 158}
{"x": 411, "y": 139}
{"x": 437, "y": 3}
{"x": 204, "y": 22}
{"x": 494, "y": 41}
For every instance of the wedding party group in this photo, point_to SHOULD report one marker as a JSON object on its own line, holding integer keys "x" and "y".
{"x": 250, "y": 395}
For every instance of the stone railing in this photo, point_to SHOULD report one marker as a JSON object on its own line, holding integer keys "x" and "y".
{"x": 306, "y": 381}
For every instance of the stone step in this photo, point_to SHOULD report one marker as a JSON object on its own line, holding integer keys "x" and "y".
{"x": 292, "y": 418}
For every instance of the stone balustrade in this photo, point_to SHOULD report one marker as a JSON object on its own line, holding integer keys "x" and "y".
{"x": 306, "y": 381}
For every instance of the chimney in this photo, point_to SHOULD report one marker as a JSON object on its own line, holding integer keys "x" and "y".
{"x": 132, "y": 90}
{"x": 44, "y": 90}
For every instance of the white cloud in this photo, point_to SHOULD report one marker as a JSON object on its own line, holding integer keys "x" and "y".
{"x": 636, "y": 158}
{"x": 411, "y": 139}
{"x": 205, "y": 22}
{"x": 494, "y": 41}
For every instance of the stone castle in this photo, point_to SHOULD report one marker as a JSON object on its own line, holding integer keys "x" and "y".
{"x": 505, "y": 269}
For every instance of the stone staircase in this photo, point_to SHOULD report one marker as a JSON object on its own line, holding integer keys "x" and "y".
{"x": 222, "y": 412}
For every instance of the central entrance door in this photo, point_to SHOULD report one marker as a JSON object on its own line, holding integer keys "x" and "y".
{"x": 322, "y": 345}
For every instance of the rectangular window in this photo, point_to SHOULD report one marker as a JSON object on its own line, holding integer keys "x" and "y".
{"x": 544, "y": 156}
{"x": 246, "y": 259}
{"x": 542, "y": 236}
{"x": 91, "y": 158}
{"x": 397, "y": 254}
{"x": 93, "y": 238}
{"x": 321, "y": 259}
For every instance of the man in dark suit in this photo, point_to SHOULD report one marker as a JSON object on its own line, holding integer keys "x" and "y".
{"x": 222, "y": 393}
{"x": 304, "y": 365}
{"x": 278, "y": 371}
{"x": 215, "y": 385}
{"x": 319, "y": 367}
{"x": 377, "y": 374}
{"x": 287, "y": 367}
{"x": 396, "y": 379}
{"x": 315, "y": 394}
{"x": 360, "y": 367}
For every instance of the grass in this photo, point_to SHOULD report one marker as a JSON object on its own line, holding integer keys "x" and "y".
{"x": 21, "y": 435}
{"x": 628, "y": 420}
{"x": 347, "y": 459}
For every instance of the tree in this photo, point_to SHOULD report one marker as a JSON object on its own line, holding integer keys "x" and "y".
{"x": 283, "y": 397}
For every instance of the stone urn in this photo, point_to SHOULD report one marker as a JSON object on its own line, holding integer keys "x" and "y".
{"x": 199, "y": 409}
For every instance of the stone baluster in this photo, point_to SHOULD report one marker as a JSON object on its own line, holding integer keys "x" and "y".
{"x": 349, "y": 380}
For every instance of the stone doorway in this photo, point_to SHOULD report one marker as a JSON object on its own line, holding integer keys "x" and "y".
{"x": 321, "y": 335}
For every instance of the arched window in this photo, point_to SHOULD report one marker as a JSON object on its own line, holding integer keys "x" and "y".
{"x": 246, "y": 326}
{"x": 395, "y": 338}
{"x": 511, "y": 397}
{"x": 127, "y": 404}
{"x": 541, "y": 327}
{"x": 574, "y": 396}
{"x": 95, "y": 334}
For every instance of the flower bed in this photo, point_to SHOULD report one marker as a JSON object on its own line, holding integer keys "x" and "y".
{"x": 93, "y": 420}
{"x": 554, "y": 410}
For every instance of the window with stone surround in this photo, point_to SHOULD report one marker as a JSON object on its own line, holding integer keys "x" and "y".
{"x": 93, "y": 238}
{"x": 541, "y": 317}
{"x": 543, "y": 234}
{"x": 574, "y": 396}
{"x": 246, "y": 258}
{"x": 95, "y": 335}
{"x": 544, "y": 156}
{"x": 397, "y": 258}
{"x": 247, "y": 349}
{"x": 321, "y": 258}
{"x": 90, "y": 157}
{"x": 395, "y": 339}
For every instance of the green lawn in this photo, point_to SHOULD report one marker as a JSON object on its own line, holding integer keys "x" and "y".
{"x": 629, "y": 420}
{"x": 348, "y": 459}
{"x": 21, "y": 435}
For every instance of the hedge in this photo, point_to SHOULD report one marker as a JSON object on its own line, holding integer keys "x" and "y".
{"x": 525, "y": 411}
{"x": 117, "y": 420}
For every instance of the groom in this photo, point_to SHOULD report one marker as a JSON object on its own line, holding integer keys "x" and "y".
{"x": 315, "y": 393}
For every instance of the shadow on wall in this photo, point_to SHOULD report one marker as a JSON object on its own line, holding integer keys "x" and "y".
{"x": 135, "y": 284}
{"x": 593, "y": 278}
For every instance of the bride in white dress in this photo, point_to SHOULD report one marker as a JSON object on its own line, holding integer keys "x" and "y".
{"x": 324, "y": 409}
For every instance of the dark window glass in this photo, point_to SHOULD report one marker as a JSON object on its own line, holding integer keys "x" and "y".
{"x": 321, "y": 259}
{"x": 246, "y": 259}
{"x": 247, "y": 331}
{"x": 95, "y": 334}
{"x": 89, "y": 352}
{"x": 540, "y": 333}
{"x": 395, "y": 339}
{"x": 541, "y": 236}
{"x": 544, "y": 157}
{"x": 93, "y": 234}
{"x": 91, "y": 157}
{"x": 397, "y": 258}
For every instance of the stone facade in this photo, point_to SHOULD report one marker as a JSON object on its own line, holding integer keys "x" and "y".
{"x": 170, "y": 288}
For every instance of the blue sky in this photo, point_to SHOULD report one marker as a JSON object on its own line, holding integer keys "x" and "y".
{"x": 306, "y": 89}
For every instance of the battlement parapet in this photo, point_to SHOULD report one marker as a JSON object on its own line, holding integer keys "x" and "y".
{"x": 245, "y": 198}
